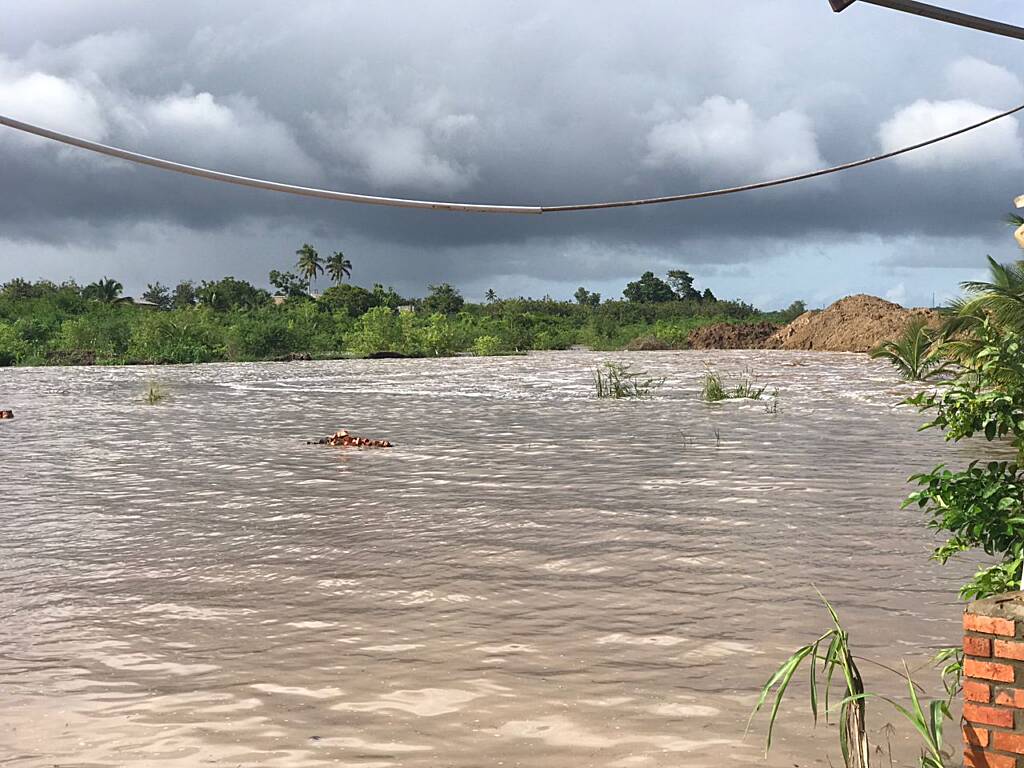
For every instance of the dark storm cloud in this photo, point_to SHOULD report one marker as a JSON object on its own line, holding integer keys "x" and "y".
{"x": 518, "y": 102}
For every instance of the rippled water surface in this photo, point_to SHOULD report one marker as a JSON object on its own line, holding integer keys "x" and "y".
{"x": 532, "y": 577}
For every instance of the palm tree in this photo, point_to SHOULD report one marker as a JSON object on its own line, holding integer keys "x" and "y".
{"x": 309, "y": 265}
{"x": 107, "y": 290}
{"x": 1000, "y": 299}
{"x": 338, "y": 267}
{"x": 916, "y": 354}
{"x": 491, "y": 296}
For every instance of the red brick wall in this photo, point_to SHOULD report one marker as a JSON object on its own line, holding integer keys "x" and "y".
{"x": 993, "y": 688}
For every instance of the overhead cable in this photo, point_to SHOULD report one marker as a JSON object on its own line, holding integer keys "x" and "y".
{"x": 350, "y": 197}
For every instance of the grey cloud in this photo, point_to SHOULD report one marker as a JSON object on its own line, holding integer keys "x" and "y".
{"x": 502, "y": 102}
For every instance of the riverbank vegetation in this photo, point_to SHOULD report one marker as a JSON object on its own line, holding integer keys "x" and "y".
{"x": 978, "y": 356}
{"x": 45, "y": 323}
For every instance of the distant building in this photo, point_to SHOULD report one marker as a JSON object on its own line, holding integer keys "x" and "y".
{"x": 143, "y": 303}
{"x": 407, "y": 309}
{"x": 279, "y": 300}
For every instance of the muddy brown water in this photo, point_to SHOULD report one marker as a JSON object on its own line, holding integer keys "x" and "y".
{"x": 532, "y": 577}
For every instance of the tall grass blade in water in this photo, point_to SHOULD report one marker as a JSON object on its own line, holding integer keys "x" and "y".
{"x": 616, "y": 380}
{"x": 155, "y": 394}
{"x": 853, "y": 736}
{"x": 714, "y": 389}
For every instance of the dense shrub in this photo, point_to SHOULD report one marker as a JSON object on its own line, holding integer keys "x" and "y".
{"x": 485, "y": 346}
{"x": 382, "y": 330}
{"x": 104, "y": 333}
{"x": 350, "y": 299}
{"x": 12, "y": 347}
{"x": 181, "y": 336}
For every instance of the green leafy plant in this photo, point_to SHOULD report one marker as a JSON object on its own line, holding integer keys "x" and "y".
{"x": 485, "y": 346}
{"x": 823, "y": 666}
{"x": 853, "y": 737}
{"x": 617, "y": 380}
{"x": 714, "y": 389}
{"x": 981, "y": 506}
{"x": 916, "y": 354}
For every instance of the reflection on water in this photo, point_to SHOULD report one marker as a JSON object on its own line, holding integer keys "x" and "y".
{"x": 533, "y": 577}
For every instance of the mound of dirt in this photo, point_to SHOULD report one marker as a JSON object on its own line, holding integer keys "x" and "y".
{"x": 854, "y": 324}
{"x": 730, "y": 336}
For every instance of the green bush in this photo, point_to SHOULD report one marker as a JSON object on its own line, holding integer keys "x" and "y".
{"x": 178, "y": 336}
{"x": 104, "y": 333}
{"x": 12, "y": 346}
{"x": 382, "y": 330}
{"x": 350, "y": 299}
{"x": 486, "y": 346}
{"x": 439, "y": 336}
{"x": 258, "y": 337}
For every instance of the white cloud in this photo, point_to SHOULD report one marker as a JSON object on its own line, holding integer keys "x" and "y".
{"x": 984, "y": 83}
{"x": 998, "y": 144}
{"x": 725, "y": 139}
{"x": 227, "y": 134}
{"x": 897, "y": 294}
{"x": 104, "y": 55}
{"x": 50, "y": 101}
{"x": 428, "y": 146}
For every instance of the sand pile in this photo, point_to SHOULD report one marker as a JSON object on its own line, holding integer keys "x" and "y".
{"x": 854, "y": 324}
{"x": 730, "y": 336}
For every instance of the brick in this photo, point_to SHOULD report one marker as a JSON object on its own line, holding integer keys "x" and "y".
{"x": 976, "y": 736}
{"x": 978, "y": 646}
{"x": 977, "y": 691}
{"x": 1010, "y": 697}
{"x": 1008, "y": 650}
{"x": 987, "y": 670}
{"x": 976, "y": 758}
{"x": 989, "y": 625}
{"x": 1008, "y": 742}
{"x": 977, "y": 713}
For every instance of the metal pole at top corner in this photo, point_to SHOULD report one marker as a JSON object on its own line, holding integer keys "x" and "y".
{"x": 939, "y": 14}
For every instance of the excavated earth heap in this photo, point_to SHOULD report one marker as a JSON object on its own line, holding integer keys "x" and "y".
{"x": 731, "y": 336}
{"x": 854, "y": 324}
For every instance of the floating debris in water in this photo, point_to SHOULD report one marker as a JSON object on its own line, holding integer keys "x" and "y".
{"x": 342, "y": 439}
{"x": 6, "y": 414}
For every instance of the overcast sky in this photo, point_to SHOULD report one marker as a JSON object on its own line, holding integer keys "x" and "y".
{"x": 519, "y": 103}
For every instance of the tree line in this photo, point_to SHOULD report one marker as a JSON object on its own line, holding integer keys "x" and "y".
{"x": 231, "y": 319}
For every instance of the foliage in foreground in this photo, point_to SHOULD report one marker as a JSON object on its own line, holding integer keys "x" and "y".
{"x": 982, "y": 505}
{"x": 853, "y": 735}
{"x": 981, "y": 349}
{"x": 916, "y": 355}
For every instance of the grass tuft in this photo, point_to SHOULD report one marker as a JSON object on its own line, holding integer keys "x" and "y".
{"x": 616, "y": 380}
{"x": 715, "y": 390}
{"x": 154, "y": 394}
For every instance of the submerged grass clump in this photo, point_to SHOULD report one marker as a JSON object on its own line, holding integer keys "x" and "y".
{"x": 154, "y": 394}
{"x": 616, "y": 380}
{"x": 715, "y": 390}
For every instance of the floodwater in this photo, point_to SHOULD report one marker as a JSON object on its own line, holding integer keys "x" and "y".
{"x": 533, "y": 577}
